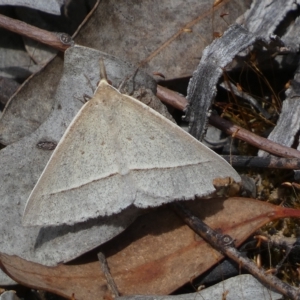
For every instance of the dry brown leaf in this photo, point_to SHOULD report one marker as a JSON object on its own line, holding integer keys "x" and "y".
{"x": 155, "y": 255}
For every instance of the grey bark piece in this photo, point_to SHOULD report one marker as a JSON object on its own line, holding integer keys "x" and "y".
{"x": 244, "y": 287}
{"x": 22, "y": 163}
{"x": 291, "y": 37}
{"x": 261, "y": 20}
{"x": 202, "y": 86}
{"x": 263, "y": 17}
{"x": 288, "y": 124}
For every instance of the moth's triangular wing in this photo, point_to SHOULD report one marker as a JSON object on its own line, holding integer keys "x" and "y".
{"x": 117, "y": 152}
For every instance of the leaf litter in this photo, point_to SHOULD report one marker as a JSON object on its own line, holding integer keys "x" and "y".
{"x": 271, "y": 213}
{"x": 157, "y": 254}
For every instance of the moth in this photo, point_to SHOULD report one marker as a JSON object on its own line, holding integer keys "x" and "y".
{"x": 118, "y": 152}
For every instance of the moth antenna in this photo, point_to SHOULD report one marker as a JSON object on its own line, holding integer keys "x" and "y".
{"x": 103, "y": 74}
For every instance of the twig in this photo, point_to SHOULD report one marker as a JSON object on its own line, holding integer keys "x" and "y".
{"x": 253, "y": 139}
{"x": 105, "y": 269}
{"x": 285, "y": 243}
{"x": 225, "y": 244}
{"x": 237, "y": 131}
{"x": 171, "y": 98}
{"x": 263, "y": 162}
{"x": 59, "y": 41}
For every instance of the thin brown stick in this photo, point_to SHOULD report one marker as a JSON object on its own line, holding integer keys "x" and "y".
{"x": 87, "y": 17}
{"x": 225, "y": 245}
{"x": 105, "y": 269}
{"x": 263, "y": 162}
{"x": 59, "y": 41}
{"x": 231, "y": 129}
{"x": 253, "y": 139}
{"x": 171, "y": 98}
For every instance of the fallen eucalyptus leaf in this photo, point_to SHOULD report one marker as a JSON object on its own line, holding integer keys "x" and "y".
{"x": 49, "y": 6}
{"x": 157, "y": 254}
{"x": 15, "y": 62}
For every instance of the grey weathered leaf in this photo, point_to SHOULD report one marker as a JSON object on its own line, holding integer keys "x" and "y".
{"x": 9, "y": 295}
{"x": 15, "y": 62}
{"x": 244, "y": 287}
{"x": 49, "y": 6}
{"x": 6, "y": 280}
